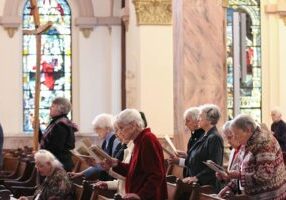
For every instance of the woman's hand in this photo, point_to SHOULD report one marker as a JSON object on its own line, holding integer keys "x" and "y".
{"x": 234, "y": 174}
{"x": 173, "y": 160}
{"x": 222, "y": 176}
{"x": 190, "y": 180}
{"x": 74, "y": 175}
{"x": 109, "y": 163}
{"x": 131, "y": 196}
{"x": 101, "y": 185}
{"x": 224, "y": 191}
{"x": 181, "y": 154}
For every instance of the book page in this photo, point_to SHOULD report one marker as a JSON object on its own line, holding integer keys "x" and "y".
{"x": 167, "y": 151}
{"x": 214, "y": 166}
{"x": 100, "y": 153}
{"x": 170, "y": 143}
{"x": 84, "y": 152}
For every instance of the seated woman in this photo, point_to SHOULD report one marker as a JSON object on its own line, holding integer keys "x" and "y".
{"x": 102, "y": 125}
{"x": 208, "y": 147}
{"x": 56, "y": 184}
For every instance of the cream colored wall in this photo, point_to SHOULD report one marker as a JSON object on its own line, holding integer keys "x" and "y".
{"x": 273, "y": 62}
{"x": 150, "y": 66}
{"x": 96, "y": 73}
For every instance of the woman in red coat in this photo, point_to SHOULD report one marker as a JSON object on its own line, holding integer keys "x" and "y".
{"x": 145, "y": 174}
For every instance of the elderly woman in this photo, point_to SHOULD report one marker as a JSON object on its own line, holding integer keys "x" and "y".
{"x": 102, "y": 125}
{"x": 262, "y": 170}
{"x": 278, "y": 127}
{"x": 145, "y": 174}
{"x": 56, "y": 184}
{"x": 59, "y": 136}
{"x": 235, "y": 158}
{"x": 209, "y": 147}
{"x": 191, "y": 117}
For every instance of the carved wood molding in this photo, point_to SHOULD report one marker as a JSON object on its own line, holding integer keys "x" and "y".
{"x": 279, "y": 9}
{"x": 153, "y": 12}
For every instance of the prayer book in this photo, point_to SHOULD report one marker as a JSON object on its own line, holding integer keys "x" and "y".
{"x": 86, "y": 151}
{"x": 211, "y": 164}
{"x": 170, "y": 147}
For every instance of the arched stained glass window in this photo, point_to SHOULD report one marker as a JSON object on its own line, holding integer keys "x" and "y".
{"x": 249, "y": 80}
{"x": 55, "y": 61}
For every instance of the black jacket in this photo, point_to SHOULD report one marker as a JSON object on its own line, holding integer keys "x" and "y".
{"x": 208, "y": 147}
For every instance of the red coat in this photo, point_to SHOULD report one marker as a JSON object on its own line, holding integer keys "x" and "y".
{"x": 145, "y": 174}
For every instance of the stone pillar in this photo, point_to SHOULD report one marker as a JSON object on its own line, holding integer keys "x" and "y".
{"x": 199, "y": 59}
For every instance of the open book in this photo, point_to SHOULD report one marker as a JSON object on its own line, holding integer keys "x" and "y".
{"x": 170, "y": 148}
{"x": 85, "y": 150}
{"x": 211, "y": 164}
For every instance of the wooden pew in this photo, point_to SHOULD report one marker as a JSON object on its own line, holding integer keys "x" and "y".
{"x": 84, "y": 191}
{"x": 100, "y": 194}
{"x": 198, "y": 190}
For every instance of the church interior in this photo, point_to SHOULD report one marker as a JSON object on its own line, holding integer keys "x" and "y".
{"x": 157, "y": 56}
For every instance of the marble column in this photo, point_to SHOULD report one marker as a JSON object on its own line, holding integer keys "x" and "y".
{"x": 199, "y": 58}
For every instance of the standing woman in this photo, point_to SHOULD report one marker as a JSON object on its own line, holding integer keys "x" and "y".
{"x": 145, "y": 174}
{"x": 59, "y": 136}
{"x": 209, "y": 147}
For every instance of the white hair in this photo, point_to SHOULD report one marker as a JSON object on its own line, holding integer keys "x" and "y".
{"x": 128, "y": 116}
{"x": 276, "y": 111}
{"x": 212, "y": 113}
{"x": 192, "y": 112}
{"x": 103, "y": 120}
{"x": 43, "y": 157}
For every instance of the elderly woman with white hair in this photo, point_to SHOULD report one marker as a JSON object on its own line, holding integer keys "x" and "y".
{"x": 209, "y": 147}
{"x": 56, "y": 184}
{"x": 145, "y": 174}
{"x": 191, "y": 117}
{"x": 102, "y": 125}
{"x": 262, "y": 170}
{"x": 59, "y": 136}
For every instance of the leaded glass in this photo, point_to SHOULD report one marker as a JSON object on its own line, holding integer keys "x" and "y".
{"x": 55, "y": 61}
{"x": 250, "y": 87}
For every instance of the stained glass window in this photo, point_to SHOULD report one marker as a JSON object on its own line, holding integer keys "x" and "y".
{"x": 250, "y": 86}
{"x": 55, "y": 61}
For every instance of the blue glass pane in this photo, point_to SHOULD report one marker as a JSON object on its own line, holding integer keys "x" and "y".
{"x": 55, "y": 60}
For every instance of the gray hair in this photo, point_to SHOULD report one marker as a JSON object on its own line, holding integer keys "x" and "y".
{"x": 43, "y": 157}
{"x": 63, "y": 105}
{"x": 276, "y": 112}
{"x": 226, "y": 127}
{"x": 103, "y": 120}
{"x": 128, "y": 116}
{"x": 192, "y": 112}
{"x": 244, "y": 122}
{"x": 212, "y": 113}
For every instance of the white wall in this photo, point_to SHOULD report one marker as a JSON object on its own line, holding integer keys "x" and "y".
{"x": 150, "y": 67}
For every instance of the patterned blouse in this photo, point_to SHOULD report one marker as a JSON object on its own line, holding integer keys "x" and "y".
{"x": 56, "y": 186}
{"x": 262, "y": 169}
